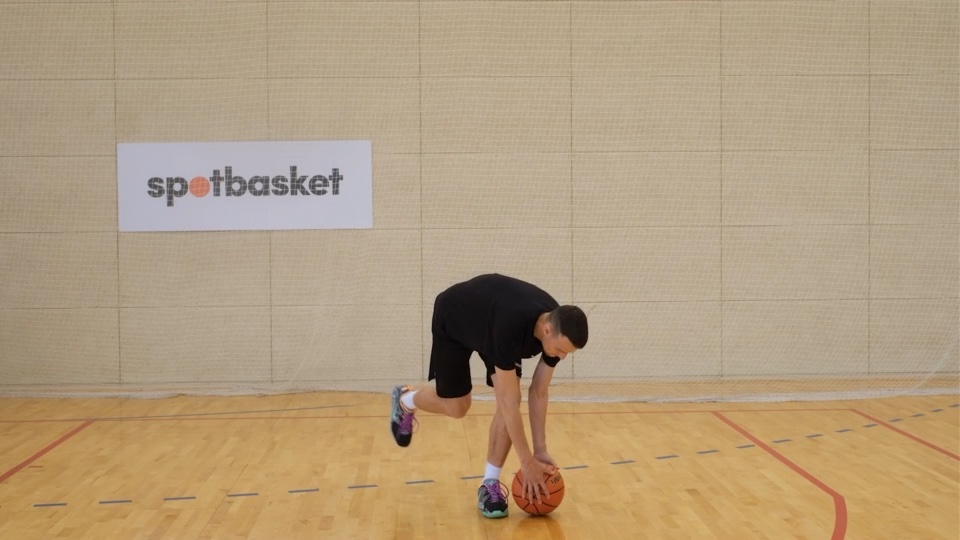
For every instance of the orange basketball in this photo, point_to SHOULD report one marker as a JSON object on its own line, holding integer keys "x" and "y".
{"x": 548, "y": 503}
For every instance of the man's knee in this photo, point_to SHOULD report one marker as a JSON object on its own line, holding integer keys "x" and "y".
{"x": 457, "y": 408}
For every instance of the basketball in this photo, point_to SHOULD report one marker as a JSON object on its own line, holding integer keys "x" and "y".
{"x": 548, "y": 503}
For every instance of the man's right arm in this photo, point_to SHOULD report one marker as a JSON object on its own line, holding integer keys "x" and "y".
{"x": 507, "y": 391}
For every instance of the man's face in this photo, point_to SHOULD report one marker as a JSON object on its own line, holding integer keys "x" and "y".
{"x": 557, "y": 346}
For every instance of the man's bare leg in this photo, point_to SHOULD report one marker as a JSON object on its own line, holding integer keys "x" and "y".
{"x": 426, "y": 399}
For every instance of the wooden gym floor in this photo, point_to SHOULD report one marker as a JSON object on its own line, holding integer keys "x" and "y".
{"x": 324, "y": 465}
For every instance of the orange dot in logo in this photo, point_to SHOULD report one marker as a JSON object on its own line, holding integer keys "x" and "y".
{"x": 199, "y": 186}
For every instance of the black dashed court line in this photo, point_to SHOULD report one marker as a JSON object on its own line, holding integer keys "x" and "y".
{"x": 430, "y": 481}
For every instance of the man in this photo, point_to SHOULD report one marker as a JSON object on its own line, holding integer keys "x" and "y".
{"x": 504, "y": 320}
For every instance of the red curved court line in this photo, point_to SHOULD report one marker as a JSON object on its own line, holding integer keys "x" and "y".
{"x": 839, "y": 503}
{"x": 930, "y": 445}
{"x": 42, "y": 452}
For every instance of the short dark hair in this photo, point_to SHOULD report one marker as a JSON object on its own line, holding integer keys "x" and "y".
{"x": 571, "y": 322}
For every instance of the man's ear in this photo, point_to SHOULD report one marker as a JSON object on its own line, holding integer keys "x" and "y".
{"x": 547, "y": 328}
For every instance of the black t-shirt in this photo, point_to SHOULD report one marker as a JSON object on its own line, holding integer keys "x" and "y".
{"x": 495, "y": 315}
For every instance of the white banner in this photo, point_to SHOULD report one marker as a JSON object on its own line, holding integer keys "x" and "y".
{"x": 245, "y": 186}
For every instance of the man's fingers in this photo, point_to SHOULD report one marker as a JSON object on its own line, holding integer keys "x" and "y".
{"x": 536, "y": 491}
{"x": 531, "y": 492}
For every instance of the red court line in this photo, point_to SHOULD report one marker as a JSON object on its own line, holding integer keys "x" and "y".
{"x": 42, "y": 452}
{"x": 930, "y": 445}
{"x": 839, "y": 503}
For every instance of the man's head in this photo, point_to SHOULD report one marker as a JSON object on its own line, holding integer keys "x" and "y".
{"x": 564, "y": 331}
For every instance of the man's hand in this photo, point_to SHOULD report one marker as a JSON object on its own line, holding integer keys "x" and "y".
{"x": 543, "y": 457}
{"x": 534, "y": 479}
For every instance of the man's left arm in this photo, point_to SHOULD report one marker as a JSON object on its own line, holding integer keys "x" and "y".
{"x": 537, "y": 403}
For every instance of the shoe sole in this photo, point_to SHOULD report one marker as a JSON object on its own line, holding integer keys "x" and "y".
{"x": 395, "y": 396}
{"x": 494, "y": 515}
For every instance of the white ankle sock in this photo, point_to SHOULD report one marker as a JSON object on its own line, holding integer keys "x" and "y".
{"x": 491, "y": 472}
{"x": 407, "y": 401}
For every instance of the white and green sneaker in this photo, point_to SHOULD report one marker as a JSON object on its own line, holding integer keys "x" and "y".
{"x": 401, "y": 421}
{"x": 492, "y": 499}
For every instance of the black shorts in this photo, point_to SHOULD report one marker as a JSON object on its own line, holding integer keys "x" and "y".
{"x": 450, "y": 365}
